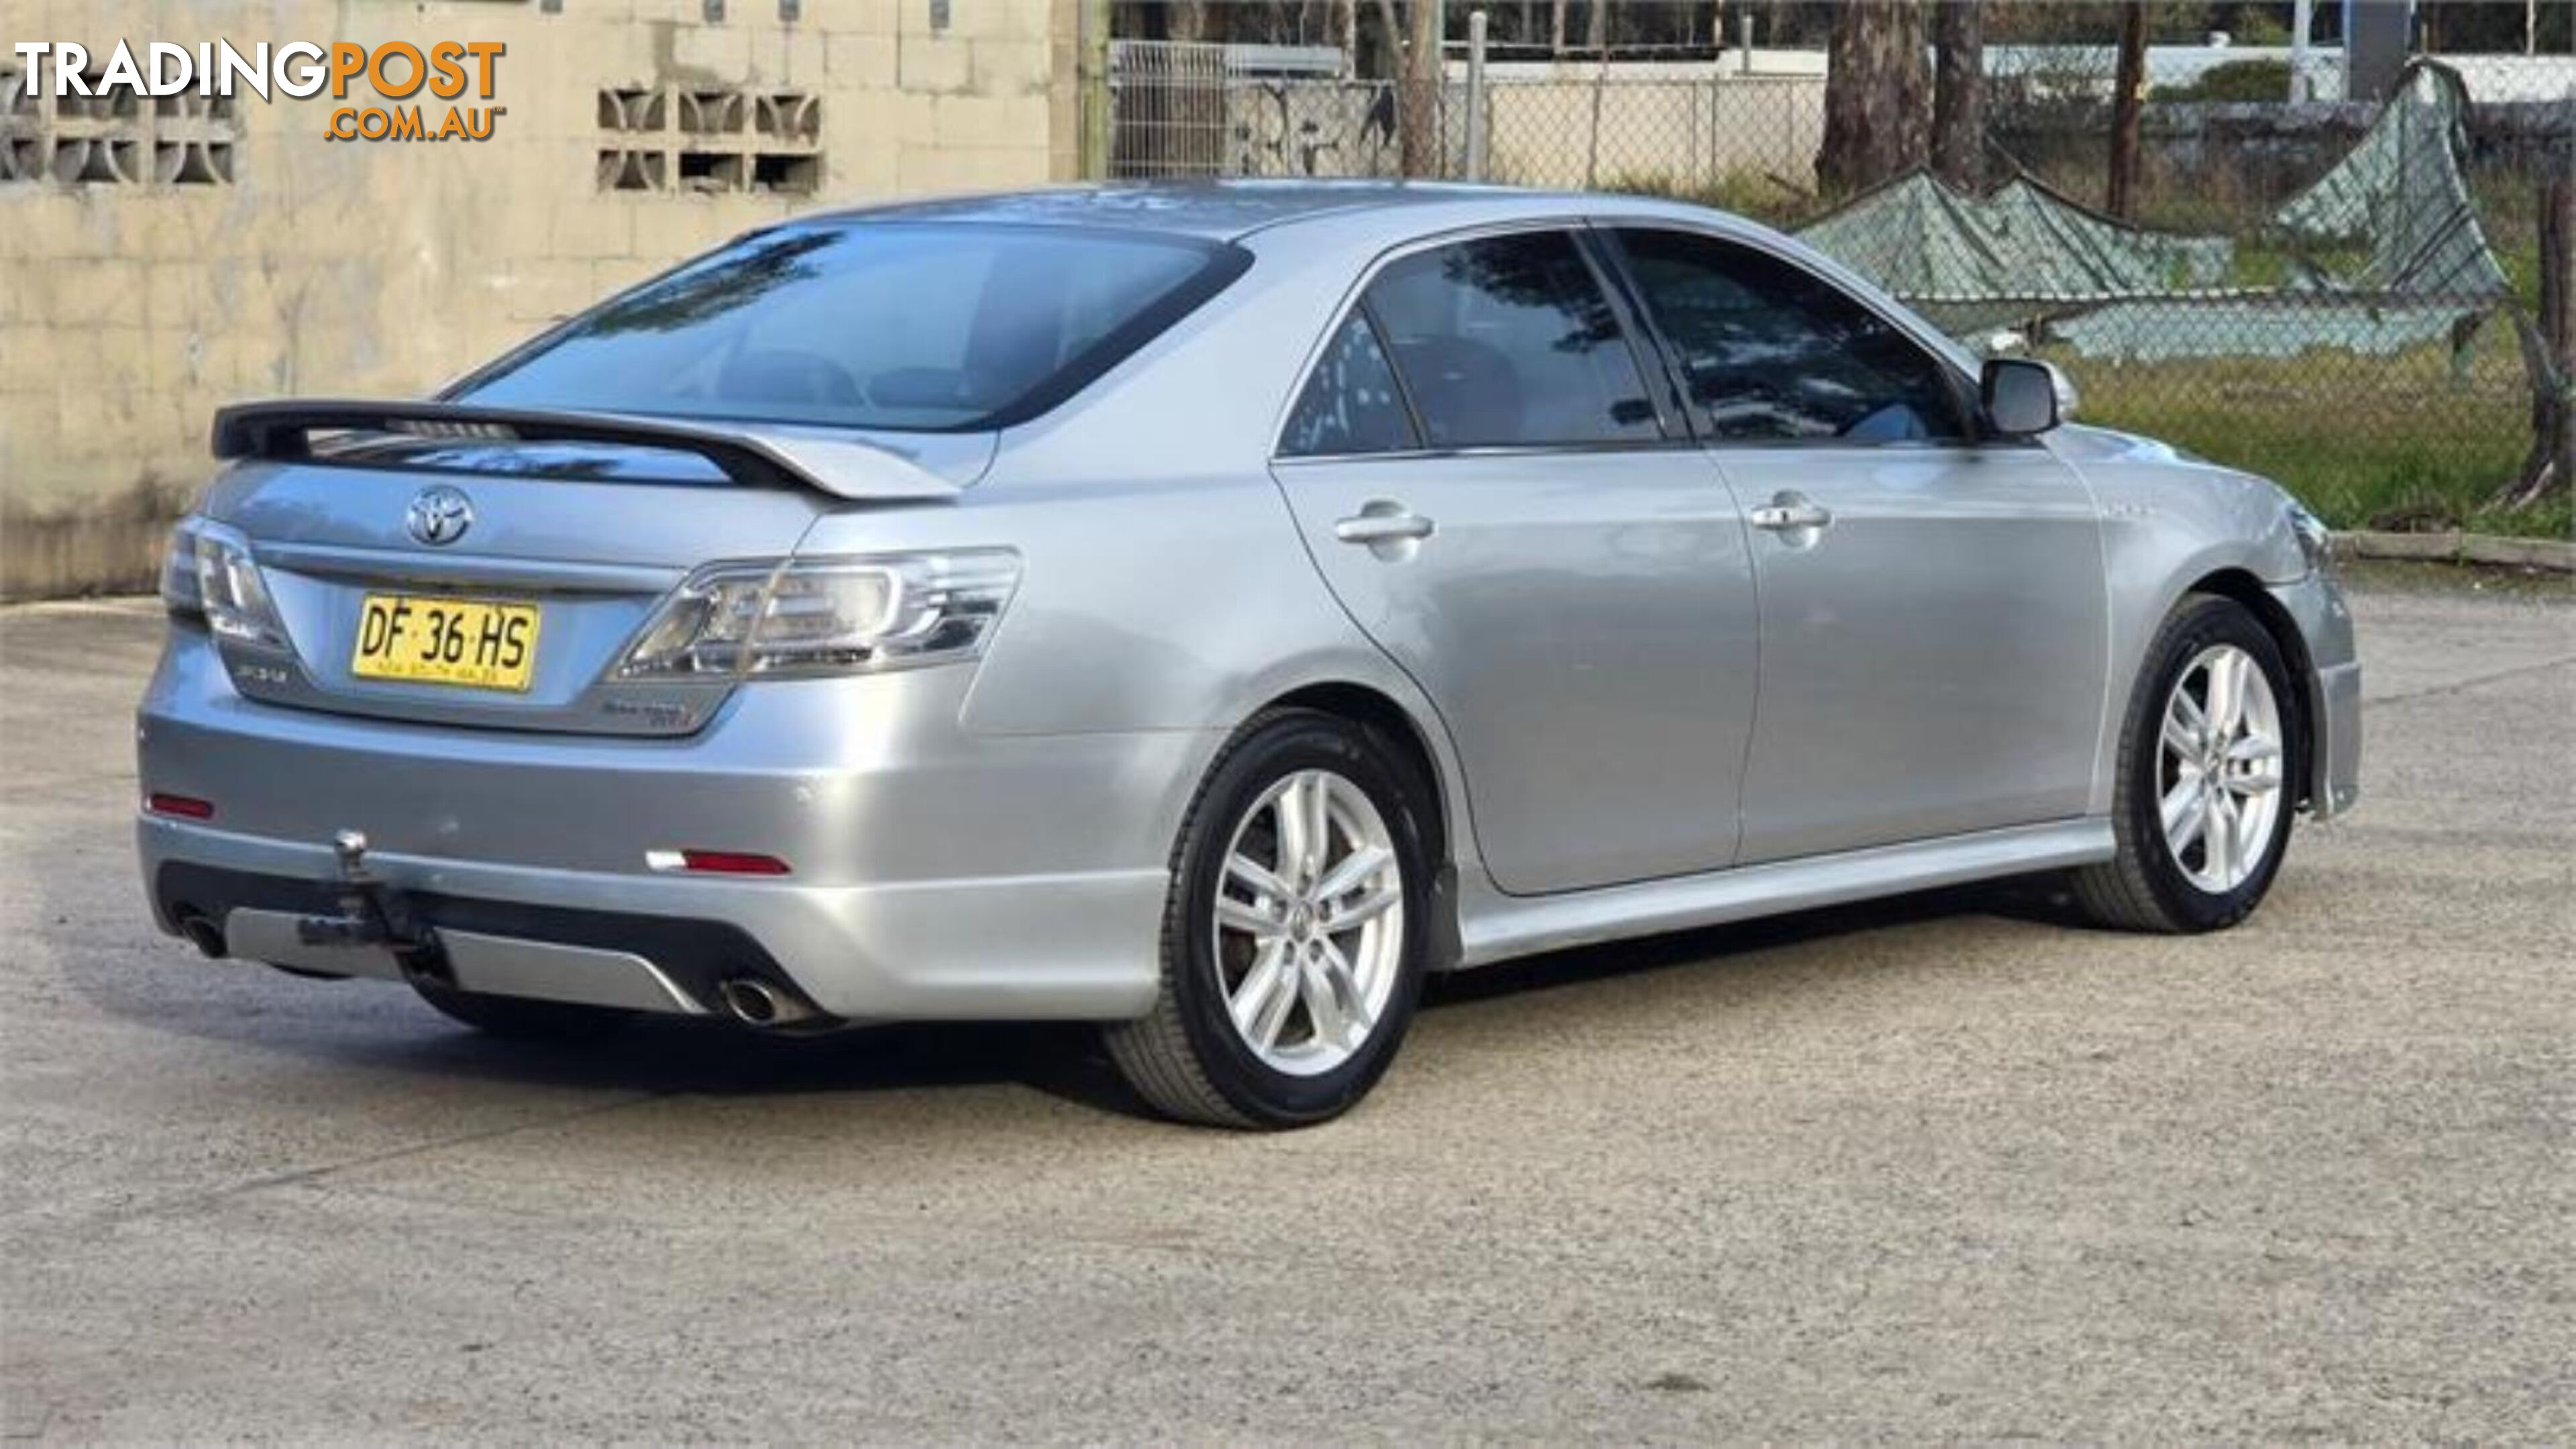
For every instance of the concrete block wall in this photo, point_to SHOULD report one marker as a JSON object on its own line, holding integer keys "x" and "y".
{"x": 130, "y": 310}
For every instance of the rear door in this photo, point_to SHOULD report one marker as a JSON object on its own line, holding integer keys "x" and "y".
{"x": 1489, "y": 486}
{"x": 1933, "y": 642}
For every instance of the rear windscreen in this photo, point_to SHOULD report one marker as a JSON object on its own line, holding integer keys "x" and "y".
{"x": 900, "y": 325}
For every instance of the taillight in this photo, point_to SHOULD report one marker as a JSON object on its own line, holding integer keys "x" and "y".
{"x": 179, "y": 570}
{"x": 209, "y": 572}
{"x": 805, "y": 617}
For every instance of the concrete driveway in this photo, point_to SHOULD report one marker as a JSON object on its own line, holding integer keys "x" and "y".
{"x": 1938, "y": 1169}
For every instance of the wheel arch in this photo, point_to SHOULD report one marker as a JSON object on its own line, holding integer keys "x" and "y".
{"x": 1372, "y": 708}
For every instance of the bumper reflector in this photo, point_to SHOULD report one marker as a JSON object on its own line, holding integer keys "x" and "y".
{"x": 715, "y": 862}
{"x": 184, "y": 807}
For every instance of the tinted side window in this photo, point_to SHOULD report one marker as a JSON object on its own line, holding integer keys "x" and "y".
{"x": 1508, "y": 340}
{"x": 1350, "y": 404}
{"x": 1770, "y": 351}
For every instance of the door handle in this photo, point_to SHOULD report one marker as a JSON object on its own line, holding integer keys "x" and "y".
{"x": 1383, "y": 528}
{"x": 1790, "y": 513}
{"x": 1390, "y": 531}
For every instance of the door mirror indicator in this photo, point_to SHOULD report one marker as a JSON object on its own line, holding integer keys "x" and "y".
{"x": 2020, "y": 396}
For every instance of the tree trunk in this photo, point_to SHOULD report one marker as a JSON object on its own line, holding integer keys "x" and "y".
{"x": 1556, "y": 27}
{"x": 1422, "y": 138}
{"x": 2129, "y": 84}
{"x": 2550, "y": 357}
{"x": 2558, "y": 259}
{"x": 1416, "y": 48}
{"x": 1878, "y": 94}
{"x": 1959, "y": 93}
{"x": 1596, "y": 26}
{"x": 1195, "y": 120}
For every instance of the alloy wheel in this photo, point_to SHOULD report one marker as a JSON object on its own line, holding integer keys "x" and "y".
{"x": 2220, "y": 776}
{"x": 1309, "y": 922}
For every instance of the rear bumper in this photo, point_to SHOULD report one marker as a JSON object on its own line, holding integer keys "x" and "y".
{"x": 938, "y": 874}
{"x": 1077, "y": 946}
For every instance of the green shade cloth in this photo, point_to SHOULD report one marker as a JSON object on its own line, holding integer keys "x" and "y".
{"x": 2413, "y": 262}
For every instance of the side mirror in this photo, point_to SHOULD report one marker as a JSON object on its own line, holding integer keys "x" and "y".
{"x": 2020, "y": 396}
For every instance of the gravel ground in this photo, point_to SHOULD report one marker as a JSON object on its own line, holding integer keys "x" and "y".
{"x": 1941, "y": 1168}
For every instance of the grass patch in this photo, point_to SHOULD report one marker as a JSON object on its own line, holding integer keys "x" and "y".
{"x": 2364, "y": 441}
{"x": 2270, "y": 263}
{"x": 2402, "y": 441}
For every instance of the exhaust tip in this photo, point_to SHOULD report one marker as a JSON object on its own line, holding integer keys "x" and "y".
{"x": 755, "y": 1002}
{"x": 202, "y": 933}
{"x": 751, "y": 1003}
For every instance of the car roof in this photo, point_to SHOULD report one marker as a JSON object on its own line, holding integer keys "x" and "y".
{"x": 1232, "y": 209}
{"x": 1346, "y": 218}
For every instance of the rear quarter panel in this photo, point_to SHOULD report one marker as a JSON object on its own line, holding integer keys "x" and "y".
{"x": 1164, "y": 585}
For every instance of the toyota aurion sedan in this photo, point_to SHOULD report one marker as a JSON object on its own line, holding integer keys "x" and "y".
{"x": 1205, "y": 612}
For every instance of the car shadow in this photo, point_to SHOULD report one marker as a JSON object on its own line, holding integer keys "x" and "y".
{"x": 381, "y": 1030}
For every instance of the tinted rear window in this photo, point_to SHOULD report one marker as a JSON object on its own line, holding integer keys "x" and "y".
{"x": 1350, "y": 405}
{"x": 889, "y": 325}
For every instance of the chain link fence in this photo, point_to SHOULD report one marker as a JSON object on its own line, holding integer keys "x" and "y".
{"x": 2337, "y": 293}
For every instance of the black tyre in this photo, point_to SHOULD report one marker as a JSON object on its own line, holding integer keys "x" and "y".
{"x": 1296, "y": 932}
{"x": 2208, "y": 776}
{"x": 519, "y": 1019}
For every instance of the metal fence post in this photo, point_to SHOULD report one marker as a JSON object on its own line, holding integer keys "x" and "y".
{"x": 1592, "y": 152}
{"x": 2302, "y": 21}
{"x": 1476, "y": 95}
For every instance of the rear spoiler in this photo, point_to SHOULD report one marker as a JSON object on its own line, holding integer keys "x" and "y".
{"x": 749, "y": 454}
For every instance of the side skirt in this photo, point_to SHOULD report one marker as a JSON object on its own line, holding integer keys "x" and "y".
{"x": 1495, "y": 927}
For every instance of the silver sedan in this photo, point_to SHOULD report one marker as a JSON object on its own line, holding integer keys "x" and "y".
{"x": 1206, "y": 612}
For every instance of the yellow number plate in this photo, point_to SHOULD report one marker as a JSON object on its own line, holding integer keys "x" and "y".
{"x": 429, "y": 640}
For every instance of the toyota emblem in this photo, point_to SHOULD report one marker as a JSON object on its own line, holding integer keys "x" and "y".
{"x": 439, "y": 515}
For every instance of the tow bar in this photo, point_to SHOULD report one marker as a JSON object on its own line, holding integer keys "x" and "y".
{"x": 374, "y": 914}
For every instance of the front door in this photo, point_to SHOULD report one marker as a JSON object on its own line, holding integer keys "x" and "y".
{"x": 1933, "y": 639}
{"x": 1488, "y": 488}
